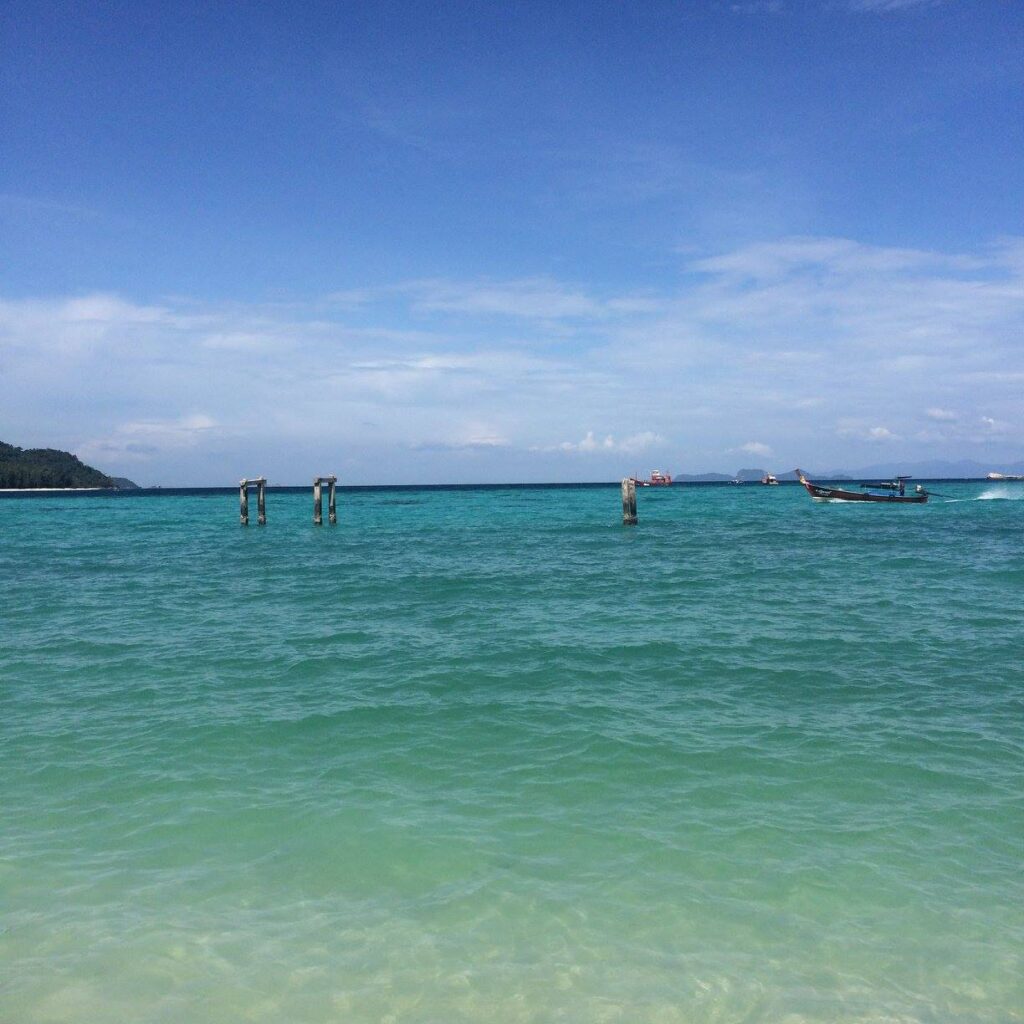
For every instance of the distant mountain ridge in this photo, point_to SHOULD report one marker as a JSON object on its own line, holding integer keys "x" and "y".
{"x": 937, "y": 468}
{"x": 26, "y": 468}
{"x": 932, "y": 469}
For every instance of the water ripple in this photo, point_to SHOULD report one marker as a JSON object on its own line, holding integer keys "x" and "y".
{"x": 489, "y": 756}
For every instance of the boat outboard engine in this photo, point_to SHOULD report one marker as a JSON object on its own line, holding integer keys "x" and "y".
{"x": 919, "y": 489}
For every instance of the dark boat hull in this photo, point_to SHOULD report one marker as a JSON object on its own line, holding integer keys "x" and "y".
{"x": 819, "y": 493}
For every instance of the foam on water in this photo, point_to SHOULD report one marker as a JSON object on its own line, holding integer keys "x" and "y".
{"x": 1005, "y": 492}
{"x": 489, "y": 756}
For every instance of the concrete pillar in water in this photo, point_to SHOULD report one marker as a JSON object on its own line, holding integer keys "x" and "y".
{"x": 261, "y": 502}
{"x": 628, "y": 502}
{"x": 318, "y": 502}
{"x": 243, "y": 502}
{"x": 332, "y": 509}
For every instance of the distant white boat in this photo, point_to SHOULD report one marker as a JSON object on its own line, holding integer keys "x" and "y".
{"x": 1004, "y": 476}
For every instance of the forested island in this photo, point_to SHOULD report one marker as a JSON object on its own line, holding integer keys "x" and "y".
{"x": 24, "y": 468}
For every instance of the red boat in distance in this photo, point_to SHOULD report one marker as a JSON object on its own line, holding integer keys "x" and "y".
{"x": 658, "y": 479}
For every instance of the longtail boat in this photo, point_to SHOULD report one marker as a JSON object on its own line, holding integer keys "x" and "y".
{"x": 891, "y": 492}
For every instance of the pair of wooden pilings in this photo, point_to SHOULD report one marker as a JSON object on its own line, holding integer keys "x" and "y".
{"x": 318, "y": 500}
{"x": 260, "y": 483}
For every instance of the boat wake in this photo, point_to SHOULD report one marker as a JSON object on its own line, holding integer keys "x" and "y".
{"x": 1001, "y": 494}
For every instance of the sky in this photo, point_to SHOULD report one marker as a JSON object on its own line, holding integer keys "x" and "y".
{"x": 418, "y": 242}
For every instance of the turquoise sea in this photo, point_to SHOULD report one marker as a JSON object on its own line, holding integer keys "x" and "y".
{"x": 487, "y": 755}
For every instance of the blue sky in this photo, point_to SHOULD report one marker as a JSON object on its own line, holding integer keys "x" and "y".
{"x": 416, "y": 242}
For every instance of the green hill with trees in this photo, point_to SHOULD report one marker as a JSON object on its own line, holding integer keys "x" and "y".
{"x": 46, "y": 467}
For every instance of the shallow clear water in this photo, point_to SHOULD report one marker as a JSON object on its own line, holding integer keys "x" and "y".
{"x": 487, "y": 755}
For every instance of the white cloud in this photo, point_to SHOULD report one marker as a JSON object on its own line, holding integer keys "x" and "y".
{"x": 637, "y": 443}
{"x": 589, "y": 444}
{"x": 858, "y": 429}
{"x": 994, "y": 426}
{"x": 475, "y": 442}
{"x": 530, "y": 299}
{"x": 73, "y": 326}
{"x": 779, "y": 259}
{"x": 755, "y": 448}
{"x": 634, "y": 444}
{"x": 766, "y": 340}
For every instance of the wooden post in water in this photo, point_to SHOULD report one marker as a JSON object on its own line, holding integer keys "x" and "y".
{"x": 318, "y": 500}
{"x": 629, "y": 502}
{"x": 261, "y": 500}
